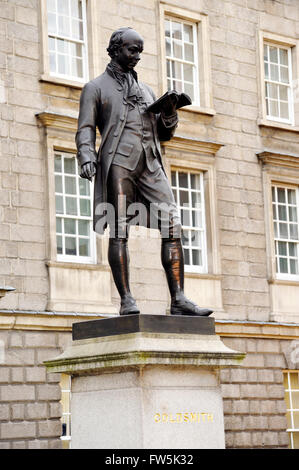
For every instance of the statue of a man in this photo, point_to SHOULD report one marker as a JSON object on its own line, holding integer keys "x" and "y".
{"x": 128, "y": 167}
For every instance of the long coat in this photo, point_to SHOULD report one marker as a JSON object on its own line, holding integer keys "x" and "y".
{"x": 103, "y": 105}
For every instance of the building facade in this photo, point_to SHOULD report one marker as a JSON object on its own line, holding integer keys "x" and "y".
{"x": 234, "y": 169}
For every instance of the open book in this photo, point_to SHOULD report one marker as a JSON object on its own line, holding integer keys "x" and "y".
{"x": 156, "y": 106}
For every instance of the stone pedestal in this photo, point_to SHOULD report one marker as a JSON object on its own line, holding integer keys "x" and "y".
{"x": 146, "y": 382}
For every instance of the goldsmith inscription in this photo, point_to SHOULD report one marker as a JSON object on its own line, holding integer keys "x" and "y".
{"x": 184, "y": 418}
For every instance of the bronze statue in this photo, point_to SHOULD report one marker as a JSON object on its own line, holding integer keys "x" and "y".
{"x": 128, "y": 167}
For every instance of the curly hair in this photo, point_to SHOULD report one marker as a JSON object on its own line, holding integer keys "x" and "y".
{"x": 116, "y": 41}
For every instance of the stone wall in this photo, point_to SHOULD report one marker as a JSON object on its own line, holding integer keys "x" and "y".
{"x": 30, "y": 409}
{"x": 253, "y": 395}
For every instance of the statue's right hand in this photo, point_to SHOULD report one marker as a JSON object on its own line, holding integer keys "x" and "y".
{"x": 88, "y": 170}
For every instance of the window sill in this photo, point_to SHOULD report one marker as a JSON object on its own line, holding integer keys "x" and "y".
{"x": 284, "y": 282}
{"x": 198, "y": 110}
{"x": 212, "y": 277}
{"x": 277, "y": 125}
{"x": 73, "y": 265}
{"x": 61, "y": 81}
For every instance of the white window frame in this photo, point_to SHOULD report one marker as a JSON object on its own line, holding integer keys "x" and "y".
{"x": 203, "y": 231}
{"x": 291, "y": 410}
{"x": 289, "y": 85}
{"x": 203, "y": 58}
{"x": 84, "y": 44}
{"x": 93, "y": 40}
{"x": 276, "y": 40}
{"x": 195, "y": 65}
{"x": 285, "y": 276}
{"x": 92, "y": 238}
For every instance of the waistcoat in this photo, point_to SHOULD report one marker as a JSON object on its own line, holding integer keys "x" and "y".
{"x": 137, "y": 136}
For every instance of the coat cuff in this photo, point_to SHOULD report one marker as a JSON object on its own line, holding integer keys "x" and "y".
{"x": 86, "y": 154}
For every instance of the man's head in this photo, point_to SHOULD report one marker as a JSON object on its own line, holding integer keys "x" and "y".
{"x": 125, "y": 47}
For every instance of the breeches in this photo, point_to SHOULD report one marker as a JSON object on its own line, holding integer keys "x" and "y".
{"x": 141, "y": 197}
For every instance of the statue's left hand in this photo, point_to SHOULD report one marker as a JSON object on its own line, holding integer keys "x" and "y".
{"x": 170, "y": 108}
{"x": 88, "y": 170}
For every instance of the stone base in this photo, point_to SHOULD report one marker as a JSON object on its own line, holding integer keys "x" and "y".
{"x": 147, "y": 389}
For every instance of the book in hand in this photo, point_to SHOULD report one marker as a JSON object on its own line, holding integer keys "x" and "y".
{"x": 157, "y": 106}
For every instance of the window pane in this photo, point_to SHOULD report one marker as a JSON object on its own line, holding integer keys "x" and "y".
{"x": 183, "y": 180}
{"x": 177, "y": 70}
{"x": 178, "y": 50}
{"x": 184, "y": 198}
{"x": 189, "y": 90}
{"x": 294, "y": 266}
{"x": 189, "y": 52}
{"x": 70, "y": 226}
{"x": 77, "y": 29}
{"x": 84, "y": 187}
{"x": 187, "y": 257}
{"x": 284, "y": 74}
{"x": 282, "y": 248}
{"x": 85, "y": 207}
{"x": 51, "y": 5}
{"x": 168, "y": 47}
{"x": 59, "y": 244}
{"x": 58, "y": 225}
{"x": 283, "y": 230}
{"x": 283, "y": 265}
{"x": 274, "y": 72}
{"x": 196, "y": 258}
{"x": 70, "y": 246}
{"x": 195, "y": 181}
{"x": 70, "y": 185}
{"x": 195, "y": 238}
{"x": 266, "y": 68}
{"x": 62, "y": 64}
{"x": 77, "y": 68}
{"x": 188, "y": 33}
{"x": 273, "y": 54}
{"x": 283, "y": 93}
{"x": 84, "y": 227}
{"x": 63, "y": 6}
{"x": 283, "y": 56}
{"x": 294, "y": 379}
{"x": 51, "y": 23}
{"x": 71, "y": 205}
{"x": 58, "y": 167}
{"x": 293, "y": 249}
{"x": 284, "y": 110}
{"x": 59, "y": 204}
{"x": 294, "y": 231}
{"x": 266, "y": 52}
{"x": 272, "y": 91}
{"x": 52, "y": 44}
{"x": 281, "y": 195}
{"x": 282, "y": 212}
{"x": 70, "y": 165}
{"x": 76, "y": 8}
{"x": 176, "y": 30}
{"x": 291, "y": 196}
{"x": 185, "y": 218}
{"x": 274, "y": 108}
{"x": 196, "y": 200}
{"x": 188, "y": 72}
{"x": 185, "y": 237}
{"x": 58, "y": 184}
{"x": 167, "y": 28}
{"x": 62, "y": 46}
{"x": 83, "y": 247}
{"x": 178, "y": 86}
{"x": 64, "y": 27}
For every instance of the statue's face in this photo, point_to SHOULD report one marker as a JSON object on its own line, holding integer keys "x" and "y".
{"x": 128, "y": 54}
